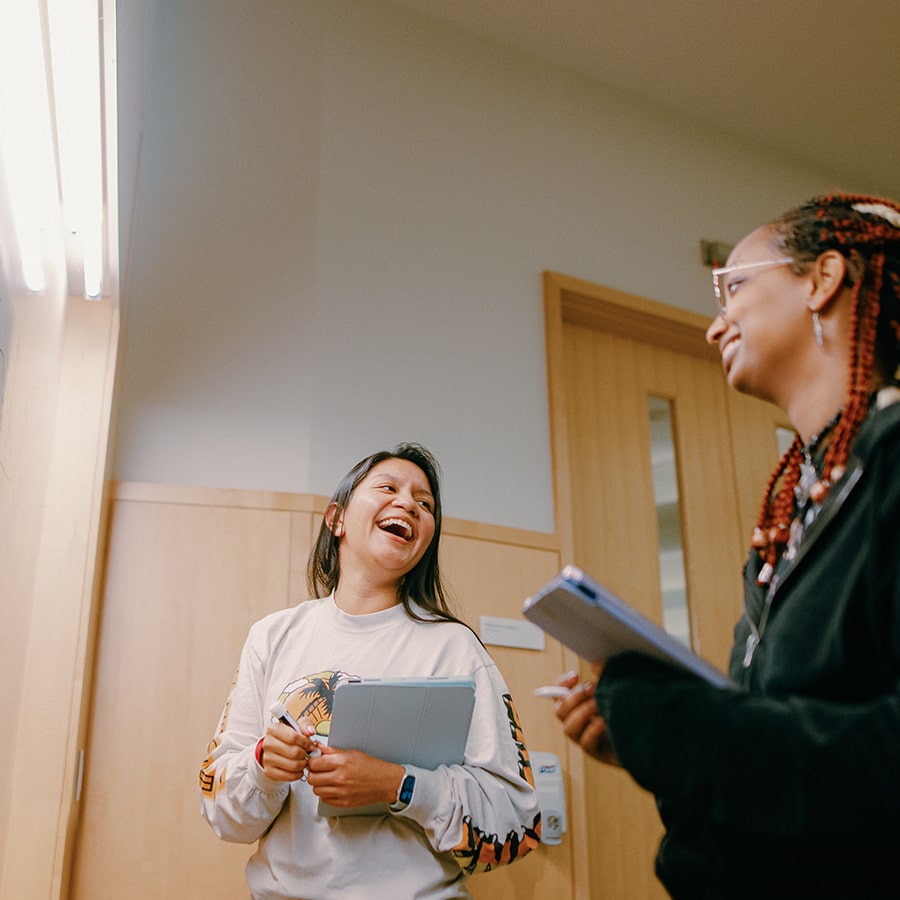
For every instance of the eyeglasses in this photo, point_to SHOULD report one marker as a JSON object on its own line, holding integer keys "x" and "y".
{"x": 721, "y": 289}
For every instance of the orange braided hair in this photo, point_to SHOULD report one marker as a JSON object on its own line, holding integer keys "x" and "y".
{"x": 866, "y": 230}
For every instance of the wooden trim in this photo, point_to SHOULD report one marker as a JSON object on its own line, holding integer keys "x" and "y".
{"x": 191, "y": 495}
{"x": 562, "y": 499}
{"x": 584, "y": 303}
{"x": 500, "y": 534}
{"x": 556, "y": 400}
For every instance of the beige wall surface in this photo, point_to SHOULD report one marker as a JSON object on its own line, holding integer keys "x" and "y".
{"x": 342, "y": 213}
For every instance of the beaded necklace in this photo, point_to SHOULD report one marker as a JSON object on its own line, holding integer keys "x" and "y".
{"x": 809, "y": 492}
{"x": 811, "y": 486}
{"x": 808, "y": 486}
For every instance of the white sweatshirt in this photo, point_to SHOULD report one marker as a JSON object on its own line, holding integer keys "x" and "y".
{"x": 462, "y": 819}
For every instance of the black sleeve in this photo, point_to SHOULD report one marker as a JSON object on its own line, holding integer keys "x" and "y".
{"x": 784, "y": 767}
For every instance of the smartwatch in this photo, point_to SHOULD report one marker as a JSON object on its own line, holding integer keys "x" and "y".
{"x": 404, "y": 795}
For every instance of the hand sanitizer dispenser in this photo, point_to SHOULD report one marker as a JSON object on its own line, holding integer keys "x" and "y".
{"x": 548, "y": 782}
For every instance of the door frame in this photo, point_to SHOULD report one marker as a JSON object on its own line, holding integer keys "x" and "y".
{"x": 568, "y": 299}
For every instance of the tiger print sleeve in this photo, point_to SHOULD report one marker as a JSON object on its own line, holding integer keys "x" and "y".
{"x": 236, "y": 798}
{"x": 485, "y": 811}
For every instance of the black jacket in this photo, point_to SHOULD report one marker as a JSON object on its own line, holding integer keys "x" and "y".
{"x": 791, "y": 787}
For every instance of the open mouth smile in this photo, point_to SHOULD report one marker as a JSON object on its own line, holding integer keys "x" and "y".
{"x": 729, "y": 350}
{"x": 398, "y": 527}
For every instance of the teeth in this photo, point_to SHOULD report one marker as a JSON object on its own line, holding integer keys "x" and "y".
{"x": 730, "y": 350}
{"x": 386, "y": 524}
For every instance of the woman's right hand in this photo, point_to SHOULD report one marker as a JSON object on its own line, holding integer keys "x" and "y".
{"x": 286, "y": 752}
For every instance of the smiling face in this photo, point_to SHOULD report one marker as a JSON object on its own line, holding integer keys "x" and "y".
{"x": 765, "y": 333}
{"x": 388, "y": 523}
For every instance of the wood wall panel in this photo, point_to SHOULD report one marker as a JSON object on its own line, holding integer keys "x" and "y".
{"x": 184, "y": 583}
{"x": 493, "y": 578}
{"x": 188, "y": 571}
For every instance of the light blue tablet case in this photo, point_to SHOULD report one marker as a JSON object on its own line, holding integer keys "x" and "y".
{"x": 420, "y": 722}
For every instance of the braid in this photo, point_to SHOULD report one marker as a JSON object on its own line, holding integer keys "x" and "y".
{"x": 862, "y": 367}
{"x": 773, "y": 524}
{"x": 866, "y": 231}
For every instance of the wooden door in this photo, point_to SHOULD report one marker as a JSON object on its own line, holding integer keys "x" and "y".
{"x": 607, "y": 354}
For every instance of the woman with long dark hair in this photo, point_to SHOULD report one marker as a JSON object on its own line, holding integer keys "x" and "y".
{"x": 379, "y": 610}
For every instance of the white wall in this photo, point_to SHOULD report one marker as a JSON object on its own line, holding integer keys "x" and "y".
{"x": 342, "y": 215}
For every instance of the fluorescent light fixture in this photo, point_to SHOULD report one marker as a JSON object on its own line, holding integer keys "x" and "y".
{"x": 74, "y": 30}
{"x": 26, "y": 143}
{"x": 52, "y": 138}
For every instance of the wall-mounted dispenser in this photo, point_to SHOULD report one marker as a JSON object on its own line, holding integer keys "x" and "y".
{"x": 551, "y": 792}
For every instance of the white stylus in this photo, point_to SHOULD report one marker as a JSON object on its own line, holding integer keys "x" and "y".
{"x": 279, "y": 710}
{"x": 554, "y": 691}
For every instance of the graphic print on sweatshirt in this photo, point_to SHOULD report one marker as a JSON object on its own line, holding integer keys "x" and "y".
{"x": 479, "y": 849}
{"x": 313, "y": 697}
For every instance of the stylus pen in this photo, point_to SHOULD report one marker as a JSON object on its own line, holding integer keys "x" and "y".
{"x": 553, "y": 691}
{"x": 279, "y": 710}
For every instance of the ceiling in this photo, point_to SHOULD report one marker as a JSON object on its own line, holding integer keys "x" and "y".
{"x": 815, "y": 80}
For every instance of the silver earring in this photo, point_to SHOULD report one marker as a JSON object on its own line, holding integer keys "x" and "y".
{"x": 817, "y": 328}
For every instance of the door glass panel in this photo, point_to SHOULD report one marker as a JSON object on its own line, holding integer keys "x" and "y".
{"x": 673, "y": 583}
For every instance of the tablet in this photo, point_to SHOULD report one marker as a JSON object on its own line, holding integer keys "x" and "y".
{"x": 596, "y": 624}
{"x": 420, "y": 722}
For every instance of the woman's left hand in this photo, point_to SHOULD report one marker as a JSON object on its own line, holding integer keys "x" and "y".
{"x": 582, "y": 723}
{"x": 350, "y": 778}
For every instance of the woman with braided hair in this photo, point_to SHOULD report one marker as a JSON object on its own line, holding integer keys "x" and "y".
{"x": 790, "y": 786}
